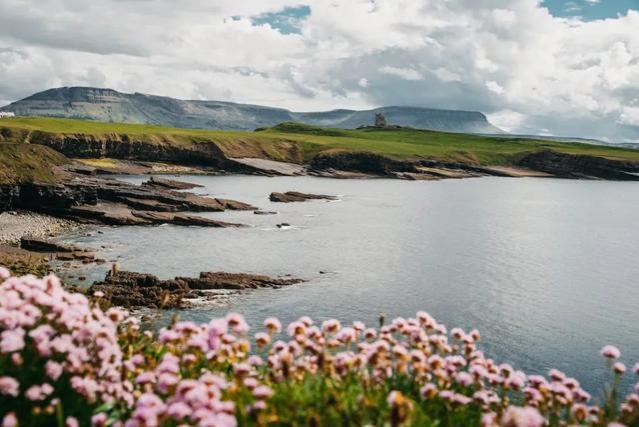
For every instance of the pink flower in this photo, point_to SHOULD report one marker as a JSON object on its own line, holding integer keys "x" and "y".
{"x": 99, "y": 420}
{"x": 262, "y": 392}
{"x": 216, "y": 328}
{"x": 237, "y": 323}
{"x": 37, "y": 393}
{"x": 10, "y": 420}
{"x": 241, "y": 369}
{"x": 4, "y": 273}
{"x": 522, "y": 417}
{"x": 273, "y": 325}
{"x": 331, "y": 325}
{"x": 610, "y": 352}
{"x": 12, "y": 340}
{"x": 306, "y": 320}
{"x": 71, "y": 422}
{"x": 619, "y": 368}
{"x": 464, "y": 379}
{"x": 260, "y": 405}
{"x": 255, "y": 360}
{"x": 296, "y": 328}
{"x": 636, "y": 368}
{"x": 53, "y": 369}
{"x": 179, "y": 410}
{"x": 370, "y": 334}
{"x": 429, "y": 390}
{"x": 9, "y": 386}
{"x": 488, "y": 420}
{"x": 262, "y": 339}
{"x": 346, "y": 335}
{"x": 145, "y": 377}
{"x": 556, "y": 375}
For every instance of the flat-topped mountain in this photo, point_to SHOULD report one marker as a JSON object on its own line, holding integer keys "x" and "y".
{"x": 108, "y": 105}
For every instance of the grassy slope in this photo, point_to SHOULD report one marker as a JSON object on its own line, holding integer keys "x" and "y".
{"x": 299, "y": 143}
{"x": 26, "y": 162}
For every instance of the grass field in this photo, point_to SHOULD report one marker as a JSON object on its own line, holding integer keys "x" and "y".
{"x": 299, "y": 143}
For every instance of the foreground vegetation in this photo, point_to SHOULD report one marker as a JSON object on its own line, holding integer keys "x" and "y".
{"x": 66, "y": 361}
{"x": 299, "y": 143}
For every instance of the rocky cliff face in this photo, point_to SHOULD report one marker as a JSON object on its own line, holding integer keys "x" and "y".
{"x": 122, "y": 146}
{"x": 580, "y": 166}
{"x": 109, "y": 105}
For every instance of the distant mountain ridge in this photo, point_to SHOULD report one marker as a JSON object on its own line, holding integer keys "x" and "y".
{"x": 109, "y": 105}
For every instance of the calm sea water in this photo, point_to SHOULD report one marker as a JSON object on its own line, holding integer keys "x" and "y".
{"x": 547, "y": 270}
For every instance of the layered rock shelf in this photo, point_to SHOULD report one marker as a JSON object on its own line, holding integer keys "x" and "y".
{"x": 135, "y": 290}
{"x": 107, "y": 201}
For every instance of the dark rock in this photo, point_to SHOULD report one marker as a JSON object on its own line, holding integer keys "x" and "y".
{"x": 108, "y": 201}
{"x": 41, "y": 245}
{"x": 360, "y": 162}
{"x": 221, "y": 280}
{"x": 284, "y": 224}
{"x": 81, "y": 169}
{"x": 76, "y": 255}
{"x": 180, "y": 219}
{"x": 169, "y": 184}
{"x": 258, "y": 212}
{"x": 580, "y": 166}
{"x": 129, "y": 289}
{"x": 149, "y": 205}
{"x": 294, "y": 196}
{"x": 234, "y": 205}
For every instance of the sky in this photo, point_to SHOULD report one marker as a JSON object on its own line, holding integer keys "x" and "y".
{"x": 560, "y": 67}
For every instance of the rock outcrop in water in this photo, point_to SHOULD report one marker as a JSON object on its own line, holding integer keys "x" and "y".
{"x": 134, "y": 290}
{"x": 295, "y": 196}
{"x": 169, "y": 184}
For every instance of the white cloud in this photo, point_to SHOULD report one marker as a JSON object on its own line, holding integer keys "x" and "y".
{"x": 495, "y": 87}
{"x": 630, "y": 116}
{"x": 404, "y": 73}
{"x": 565, "y": 76}
{"x": 510, "y": 121}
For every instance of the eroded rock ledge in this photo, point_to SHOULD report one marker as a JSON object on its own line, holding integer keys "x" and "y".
{"x": 108, "y": 201}
{"x": 136, "y": 290}
{"x": 294, "y": 196}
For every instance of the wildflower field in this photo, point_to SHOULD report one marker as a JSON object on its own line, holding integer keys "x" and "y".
{"x": 64, "y": 361}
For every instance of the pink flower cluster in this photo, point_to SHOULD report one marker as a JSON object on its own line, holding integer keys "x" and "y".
{"x": 77, "y": 341}
{"x": 207, "y": 374}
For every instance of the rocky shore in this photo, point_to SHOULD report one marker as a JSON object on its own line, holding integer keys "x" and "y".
{"x": 89, "y": 199}
{"x": 136, "y": 290}
{"x": 16, "y": 225}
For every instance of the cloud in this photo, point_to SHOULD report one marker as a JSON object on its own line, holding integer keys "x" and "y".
{"x": 404, "y": 73}
{"x": 508, "y": 58}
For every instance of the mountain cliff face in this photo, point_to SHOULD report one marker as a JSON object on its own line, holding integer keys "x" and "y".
{"x": 108, "y": 105}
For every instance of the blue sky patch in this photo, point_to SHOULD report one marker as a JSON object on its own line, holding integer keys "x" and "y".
{"x": 286, "y": 21}
{"x": 590, "y": 9}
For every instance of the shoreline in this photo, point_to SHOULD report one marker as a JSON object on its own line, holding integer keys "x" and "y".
{"x": 14, "y": 225}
